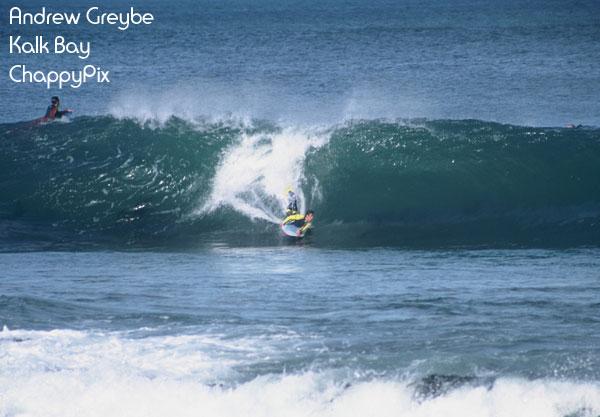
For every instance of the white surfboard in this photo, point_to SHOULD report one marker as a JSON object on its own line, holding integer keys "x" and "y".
{"x": 291, "y": 230}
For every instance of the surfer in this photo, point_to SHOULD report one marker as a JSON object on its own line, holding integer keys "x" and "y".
{"x": 53, "y": 111}
{"x": 302, "y": 222}
{"x": 292, "y": 206}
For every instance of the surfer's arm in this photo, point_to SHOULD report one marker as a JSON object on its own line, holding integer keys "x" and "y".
{"x": 304, "y": 228}
{"x": 63, "y": 112}
{"x": 292, "y": 218}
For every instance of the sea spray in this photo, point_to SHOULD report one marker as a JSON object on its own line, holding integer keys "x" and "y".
{"x": 255, "y": 172}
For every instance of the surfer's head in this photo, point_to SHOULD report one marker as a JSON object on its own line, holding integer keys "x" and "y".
{"x": 55, "y": 100}
{"x": 309, "y": 216}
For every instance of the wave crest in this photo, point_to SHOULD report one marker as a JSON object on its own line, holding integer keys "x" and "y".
{"x": 372, "y": 182}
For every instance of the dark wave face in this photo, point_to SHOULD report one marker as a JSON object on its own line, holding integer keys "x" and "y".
{"x": 462, "y": 182}
{"x": 102, "y": 181}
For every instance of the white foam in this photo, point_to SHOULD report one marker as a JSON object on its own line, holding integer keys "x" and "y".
{"x": 71, "y": 373}
{"x": 34, "y": 352}
{"x": 254, "y": 173}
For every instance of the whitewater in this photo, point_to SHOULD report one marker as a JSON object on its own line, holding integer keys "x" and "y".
{"x": 255, "y": 331}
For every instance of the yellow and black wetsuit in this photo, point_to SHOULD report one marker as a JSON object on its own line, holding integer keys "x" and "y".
{"x": 297, "y": 220}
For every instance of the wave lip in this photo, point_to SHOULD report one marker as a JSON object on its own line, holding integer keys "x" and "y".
{"x": 411, "y": 183}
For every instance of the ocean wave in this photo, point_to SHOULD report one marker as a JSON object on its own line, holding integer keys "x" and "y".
{"x": 118, "y": 374}
{"x": 372, "y": 182}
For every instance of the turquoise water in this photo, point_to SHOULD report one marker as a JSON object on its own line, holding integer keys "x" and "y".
{"x": 101, "y": 182}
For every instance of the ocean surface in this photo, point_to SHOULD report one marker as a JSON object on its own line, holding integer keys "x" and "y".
{"x": 454, "y": 264}
{"x": 526, "y": 62}
{"x": 301, "y": 331}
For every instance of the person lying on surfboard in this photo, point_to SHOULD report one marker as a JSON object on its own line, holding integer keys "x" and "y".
{"x": 53, "y": 111}
{"x": 302, "y": 222}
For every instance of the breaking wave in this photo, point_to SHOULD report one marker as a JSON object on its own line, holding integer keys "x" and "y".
{"x": 412, "y": 183}
{"x": 124, "y": 374}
